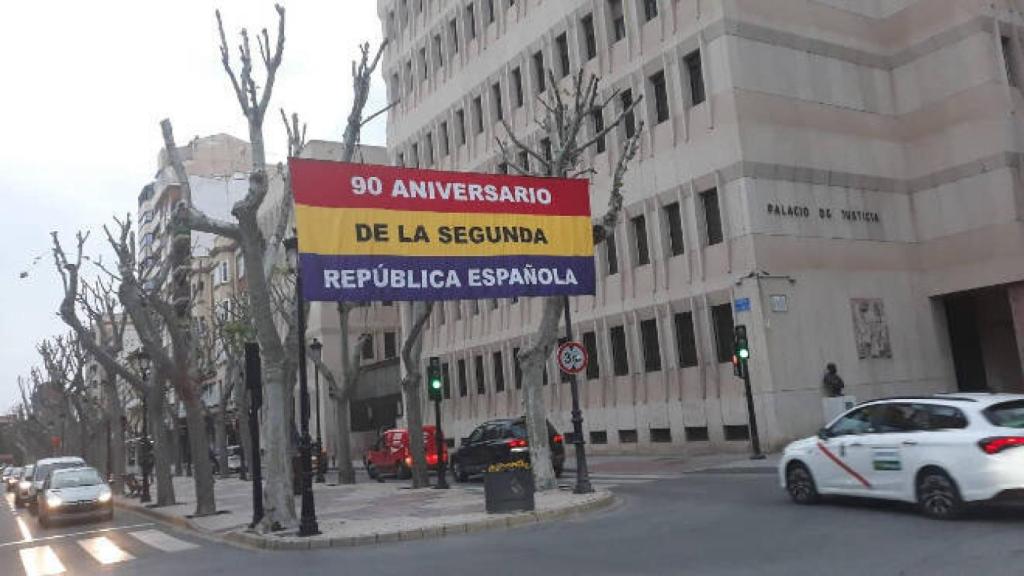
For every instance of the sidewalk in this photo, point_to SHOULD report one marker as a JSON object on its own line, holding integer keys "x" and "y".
{"x": 364, "y": 513}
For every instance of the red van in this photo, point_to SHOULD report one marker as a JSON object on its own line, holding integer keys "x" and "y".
{"x": 390, "y": 455}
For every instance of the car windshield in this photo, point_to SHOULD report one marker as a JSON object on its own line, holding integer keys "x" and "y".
{"x": 76, "y": 478}
{"x": 47, "y": 468}
{"x": 27, "y": 474}
{"x": 1006, "y": 414}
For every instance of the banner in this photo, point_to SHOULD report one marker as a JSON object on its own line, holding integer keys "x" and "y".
{"x": 371, "y": 232}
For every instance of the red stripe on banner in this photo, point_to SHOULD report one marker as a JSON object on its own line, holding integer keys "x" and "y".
{"x": 343, "y": 185}
{"x": 843, "y": 465}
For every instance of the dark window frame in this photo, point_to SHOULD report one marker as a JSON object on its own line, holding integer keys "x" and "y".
{"x": 686, "y": 339}
{"x": 650, "y": 345}
{"x": 620, "y": 350}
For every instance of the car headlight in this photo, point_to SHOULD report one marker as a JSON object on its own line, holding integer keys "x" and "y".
{"x": 104, "y": 496}
{"x": 53, "y": 501}
{"x": 24, "y": 484}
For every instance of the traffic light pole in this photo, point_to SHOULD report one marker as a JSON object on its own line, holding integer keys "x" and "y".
{"x": 442, "y": 480}
{"x": 755, "y": 440}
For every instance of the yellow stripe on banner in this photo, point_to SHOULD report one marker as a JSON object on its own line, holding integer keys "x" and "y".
{"x": 347, "y": 231}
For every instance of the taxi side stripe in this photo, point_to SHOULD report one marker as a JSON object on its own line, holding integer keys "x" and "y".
{"x": 843, "y": 465}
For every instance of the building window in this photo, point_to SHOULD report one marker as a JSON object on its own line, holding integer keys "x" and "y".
{"x": 659, "y": 435}
{"x": 430, "y": 149}
{"x": 712, "y": 217}
{"x": 1009, "y": 61}
{"x": 223, "y": 273}
{"x": 695, "y": 76}
{"x": 463, "y": 385}
{"x": 589, "y": 37}
{"x": 438, "y": 51}
{"x": 502, "y": 168}
{"x": 523, "y": 157}
{"x": 627, "y": 436}
{"x": 396, "y": 89}
{"x": 478, "y": 115}
{"x": 460, "y": 126}
{"x": 415, "y": 153}
{"x": 686, "y": 340}
{"x": 471, "y": 20}
{"x": 478, "y": 365}
{"x": 674, "y": 217}
{"x": 517, "y": 87}
{"x": 652, "y": 348}
{"x": 598, "y": 437}
{"x": 598, "y": 119}
{"x": 642, "y": 253}
{"x": 446, "y": 381}
{"x": 444, "y": 139}
{"x": 489, "y": 4}
{"x": 391, "y": 24}
{"x": 367, "y": 349}
{"x": 593, "y": 366}
{"x": 538, "y": 71}
{"x": 499, "y": 372}
{"x": 408, "y": 77}
{"x": 721, "y": 318}
{"x": 400, "y": 160}
{"x": 474, "y": 307}
{"x": 660, "y": 96}
{"x": 518, "y": 368}
{"x": 496, "y": 97}
{"x": 629, "y": 118}
{"x": 453, "y": 31}
{"x": 545, "y": 147}
{"x": 423, "y": 63}
{"x": 620, "y": 358}
{"x": 650, "y": 9}
{"x": 441, "y": 314}
{"x": 611, "y": 253}
{"x": 457, "y": 306}
{"x": 562, "y": 44}
{"x": 696, "y": 433}
{"x": 390, "y": 345}
{"x": 736, "y": 432}
{"x": 618, "y": 19}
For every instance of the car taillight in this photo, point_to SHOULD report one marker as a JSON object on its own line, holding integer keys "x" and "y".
{"x": 408, "y": 461}
{"x": 999, "y": 443}
{"x": 557, "y": 438}
{"x": 516, "y": 443}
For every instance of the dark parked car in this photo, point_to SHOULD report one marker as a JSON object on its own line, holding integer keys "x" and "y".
{"x": 500, "y": 441}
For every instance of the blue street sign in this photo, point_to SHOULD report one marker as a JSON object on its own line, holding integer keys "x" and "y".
{"x": 742, "y": 304}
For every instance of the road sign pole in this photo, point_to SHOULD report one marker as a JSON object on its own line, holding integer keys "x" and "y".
{"x": 442, "y": 480}
{"x": 582, "y": 475}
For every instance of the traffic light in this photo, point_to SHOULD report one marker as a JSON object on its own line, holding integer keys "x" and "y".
{"x": 434, "y": 383}
{"x": 741, "y": 351}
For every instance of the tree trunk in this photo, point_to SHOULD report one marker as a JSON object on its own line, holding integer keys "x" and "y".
{"x": 220, "y": 432}
{"x": 413, "y": 398}
{"x": 115, "y": 414}
{"x": 532, "y": 360}
{"x": 161, "y": 446}
{"x": 343, "y": 448}
{"x": 199, "y": 447}
{"x": 244, "y": 432}
{"x": 278, "y": 502}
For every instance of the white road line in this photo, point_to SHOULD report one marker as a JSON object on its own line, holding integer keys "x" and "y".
{"x": 161, "y": 541}
{"x": 40, "y": 561}
{"x": 104, "y": 550}
{"x": 74, "y": 534}
{"x": 26, "y": 535}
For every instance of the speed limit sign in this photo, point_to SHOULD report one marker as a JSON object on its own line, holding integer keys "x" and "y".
{"x": 572, "y": 357}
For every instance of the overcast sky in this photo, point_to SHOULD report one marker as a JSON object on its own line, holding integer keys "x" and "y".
{"x": 84, "y": 87}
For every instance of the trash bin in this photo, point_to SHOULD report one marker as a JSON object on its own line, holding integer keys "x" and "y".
{"x": 508, "y": 487}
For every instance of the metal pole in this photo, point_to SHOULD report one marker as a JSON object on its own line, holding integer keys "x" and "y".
{"x": 319, "y": 439}
{"x": 253, "y": 381}
{"x": 307, "y": 524}
{"x": 582, "y": 475}
{"x": 144, "y": 455}
{"x": 442, "y": 480}
{"x": 755, "y": 440}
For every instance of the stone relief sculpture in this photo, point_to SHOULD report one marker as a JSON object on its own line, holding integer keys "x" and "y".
{"x": 870, "y": 328}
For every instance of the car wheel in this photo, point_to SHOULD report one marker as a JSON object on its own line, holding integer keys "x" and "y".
{"x": 459, "y": 474}
{"x": 371, "y": 471}
{"x": 800, "y": 484}
{"x": 937, "y": 495}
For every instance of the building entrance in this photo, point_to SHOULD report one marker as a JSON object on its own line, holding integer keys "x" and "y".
{"x": 983, "y": 337}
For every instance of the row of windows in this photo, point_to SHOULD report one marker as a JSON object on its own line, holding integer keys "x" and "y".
{"x": 650, "y": 347}
{"x": 662, "y": 435}
{"x": 495, "y": 110}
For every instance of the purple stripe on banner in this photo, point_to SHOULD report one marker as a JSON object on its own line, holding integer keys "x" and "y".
{"x": 364, "y": 278}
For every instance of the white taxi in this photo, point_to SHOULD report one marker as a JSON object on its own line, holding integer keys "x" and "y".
{"x": 940, "y": 451}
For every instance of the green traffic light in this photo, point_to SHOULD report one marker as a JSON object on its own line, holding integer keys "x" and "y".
{"x": 435, "y": 384}
{"x": 744, "y": 353}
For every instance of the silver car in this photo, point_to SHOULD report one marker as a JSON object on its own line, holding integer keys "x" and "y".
{"x": 42, "y": 470}
{"x": 73, "y": 493}
{"x": 23, "y": 486}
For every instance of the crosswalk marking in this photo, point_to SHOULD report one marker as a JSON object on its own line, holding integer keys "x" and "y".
{"x": 104, "y": 550}
{"x": 161, "y": 541}
{"x": 40, "y": 561}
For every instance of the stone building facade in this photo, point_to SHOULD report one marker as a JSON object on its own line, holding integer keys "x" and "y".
{"x": 842, "y": 177}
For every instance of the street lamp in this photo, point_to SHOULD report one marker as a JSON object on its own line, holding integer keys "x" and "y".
{"x": 140, "y": 358}
{"x": 317, "y": 347}
{"x": 307, "y": 523}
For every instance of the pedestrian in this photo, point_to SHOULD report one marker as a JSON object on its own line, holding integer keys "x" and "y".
{"x": 833, "y": 383}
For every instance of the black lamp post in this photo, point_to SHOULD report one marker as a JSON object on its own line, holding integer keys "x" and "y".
{"x": 142, "y": 363}
{"x": 317, "y": 347}
{"x": 307, "y": 523}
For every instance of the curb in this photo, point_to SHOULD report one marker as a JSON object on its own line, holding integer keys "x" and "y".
{"x": 252, "y": 540}
{"x": 177, "y": 522}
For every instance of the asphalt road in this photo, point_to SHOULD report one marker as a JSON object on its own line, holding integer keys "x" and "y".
{"x": 717, "y": 523}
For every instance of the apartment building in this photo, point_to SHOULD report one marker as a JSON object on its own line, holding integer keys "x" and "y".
{"x": 842, "y": 177}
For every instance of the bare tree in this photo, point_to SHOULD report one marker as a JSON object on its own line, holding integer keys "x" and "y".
{"x": 412, "y": 348}
{"x": 133, "y": 299}
{"x": 564, "y": 123}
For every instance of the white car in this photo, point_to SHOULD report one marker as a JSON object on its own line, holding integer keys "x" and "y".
{"x": 939, "y": 451}
{"x": 74, "y": 493}
{"x": 42, "y": 470}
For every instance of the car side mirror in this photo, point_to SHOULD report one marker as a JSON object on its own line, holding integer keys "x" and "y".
{"x": 463, "y": 441}
{"x": 824, "y": 434}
